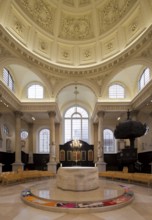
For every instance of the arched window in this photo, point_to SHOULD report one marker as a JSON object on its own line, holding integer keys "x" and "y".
{"x": 35, "y": 92}
{"x": 8, "y": 80}
{"x": 109, "y": 144}
{"x": 116, "y": 92}
{"x": 144, "y": 79}
{"x": 44, "y": 141}
{"x": 76, "y": 124}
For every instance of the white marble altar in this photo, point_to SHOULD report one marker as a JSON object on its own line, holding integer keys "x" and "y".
{"x": 77, "y": 178}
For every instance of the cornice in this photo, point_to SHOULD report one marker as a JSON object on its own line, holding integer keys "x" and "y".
{"x": 143, "y": 97}
{"x": 9, "y": 97}
{"x": 139, "y": 102}
{"x": 37, "y": 106}
{"x": 111, "y": 107}
{"x": 26, "y": 107}
{"x": 21, "y": 52}
{"x": 16, "y": 105}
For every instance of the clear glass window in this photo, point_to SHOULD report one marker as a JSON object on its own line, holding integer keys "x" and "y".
{"x": 44, "y": 141}
{"x": 35, "y": 92}
{"x": 8, "y": 80}
{"x": 144, "y": 79}
{"x": 76, "y": 124}
{"x": 109, "y": 144}
{"x": 116, "y": 92}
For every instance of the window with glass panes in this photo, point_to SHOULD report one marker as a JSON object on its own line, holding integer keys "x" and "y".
{"x": 76, "y": 124}
{"x": 144, "y": 79}
{"x": 35, "y": 92}
{"x": 116, "y": 91}
{"x": 8, "y": 80}
{"x": 109, "y": 144}
{"x": 44, "y": 141}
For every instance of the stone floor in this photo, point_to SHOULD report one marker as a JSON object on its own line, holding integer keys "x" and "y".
{"x": 12, "y": 207}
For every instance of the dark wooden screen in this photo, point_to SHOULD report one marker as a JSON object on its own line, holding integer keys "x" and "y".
{"x": 77, "y": 157}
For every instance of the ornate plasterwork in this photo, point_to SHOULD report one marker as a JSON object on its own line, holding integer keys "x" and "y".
{"x": 93, "y": 31}
{"x": 83, "y": 3}
{"x": 18, "y": 26}
{"x": 110, "y": 45}
{"x": 134, "y": 25}
{"x": 138, "y": 47}
{"x": 76, "y": 3}
{"x": 112, "y": 12}
{"x": 4, "y": 52}
{"x": 41, "y": 12}
{"x": 76, "y": 27}
{"x": 87, "y": 54}
{"x": 69, "y": 3}
{"x": 65, "y": 54}
{"x": 42, "y": 45}
{"x": 147, "y": 53}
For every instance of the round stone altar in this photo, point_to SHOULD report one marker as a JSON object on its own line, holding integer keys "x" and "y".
{"x": 77, "y": 178}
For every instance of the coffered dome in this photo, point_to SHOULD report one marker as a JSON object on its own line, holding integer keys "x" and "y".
{"x": 77, "y": 33}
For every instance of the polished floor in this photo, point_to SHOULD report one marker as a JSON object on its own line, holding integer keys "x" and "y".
{"x": 49, "y": 190}
{"x": 13, "y": 208}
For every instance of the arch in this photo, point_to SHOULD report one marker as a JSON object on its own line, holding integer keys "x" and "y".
{"x": 72, "y": 82}
{"x": 85, "y": 98}
{"x": 15, "y": 65}
{"x": 76, "y": 124}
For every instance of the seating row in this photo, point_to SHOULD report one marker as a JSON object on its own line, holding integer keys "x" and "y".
{"x": 136, "y": 177}
{"x": 22, "y": 176}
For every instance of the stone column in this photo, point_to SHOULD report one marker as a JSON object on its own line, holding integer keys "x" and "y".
{"x": 18, "y": 163}
{"x": 1, "y": 139}
{"x": 57, "y": 138}
{"x": 0, "y": 134}
{"x": 1, "y": 169}
{"x": 52, "y": 159}
{"x": 30, "y": 159}
{"x": 134, "y": 117}
{"x": 95, "y": 128}
{"x": 100, "y": 163}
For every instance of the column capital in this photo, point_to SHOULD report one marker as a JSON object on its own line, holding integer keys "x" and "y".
{"x": 18, "y": 114}
{"x": 30, "y": 124}
{"x": 52, "y": 113}
{"x": 134, "y": 112}
{"x": 100, "y": 113}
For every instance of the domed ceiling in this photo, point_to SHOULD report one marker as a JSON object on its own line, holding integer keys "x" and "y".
{"x": 76, "y": 33}
{"x": 91, "y": 43}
